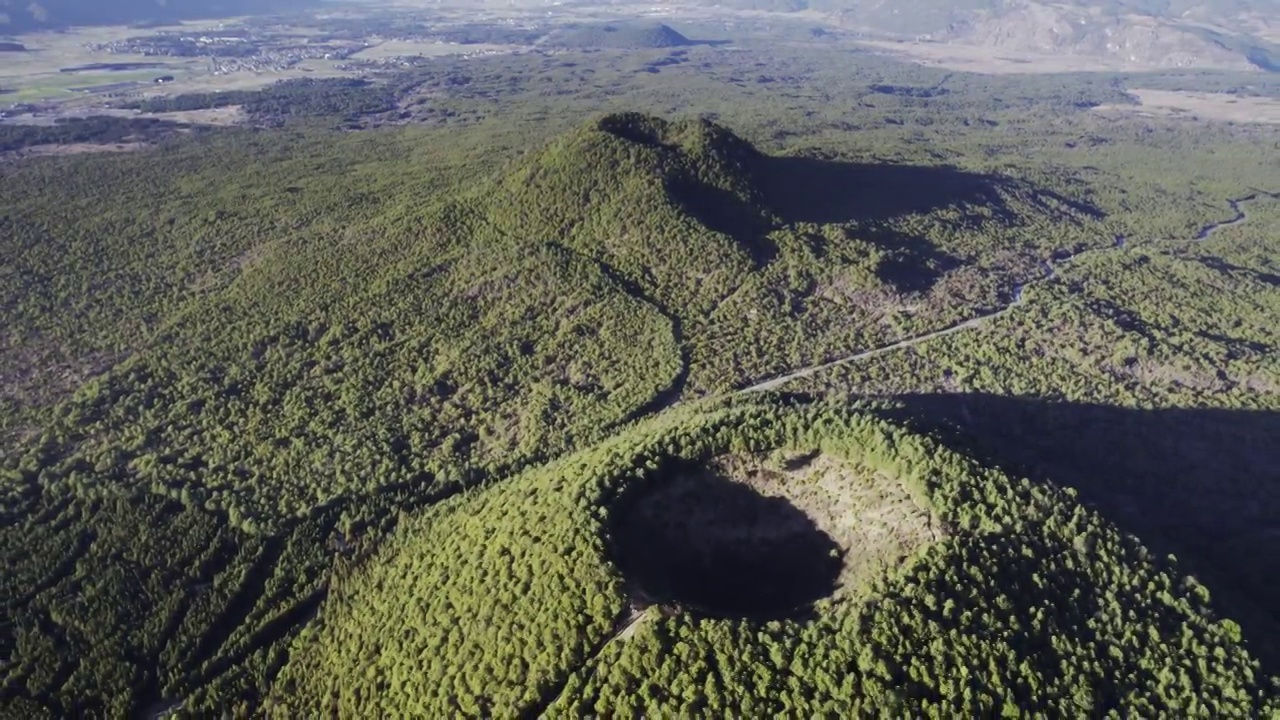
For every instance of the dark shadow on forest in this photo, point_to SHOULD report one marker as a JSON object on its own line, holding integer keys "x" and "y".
{"x": 721, "y": 211}
{"x": 694, "y": 539}
{"x": 823, "y": 191}
{"x": 1225, "y": 267}
{"x": 911, "y": 263}
{"x": 817, "y": 190}
{"x": 1201, "y": 484}
{"x": 820, "y": 190}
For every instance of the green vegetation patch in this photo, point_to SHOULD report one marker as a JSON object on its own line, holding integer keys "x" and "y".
{"x": 97, "y": 129}
{"x": 507, "y": 602}
{"x": 283, "y": 344}
{"x": 298, "y": 97}
{"x": 120, "y": 605}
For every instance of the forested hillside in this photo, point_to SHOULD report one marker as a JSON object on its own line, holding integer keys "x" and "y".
{"x": 499, "y": 326}
{"x": 448, "y": 418}
{"x": 1130, "y": 382}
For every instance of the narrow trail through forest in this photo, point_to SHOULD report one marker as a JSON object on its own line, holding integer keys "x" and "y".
{"x": 1019, "y": 297}
{"x": 623, "y": 626}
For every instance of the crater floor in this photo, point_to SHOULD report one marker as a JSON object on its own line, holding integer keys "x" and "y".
{"x": 762, "y": 535}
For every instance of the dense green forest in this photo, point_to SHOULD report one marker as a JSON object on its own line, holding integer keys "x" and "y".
{"x": 272, "y": 399}
{"x": 505, "y": 603}
{"x": 98, "y": 130}
{"x": 1147, "y": 379}
{"x": 302, "y": 97}
{"x": 498, "y": 326}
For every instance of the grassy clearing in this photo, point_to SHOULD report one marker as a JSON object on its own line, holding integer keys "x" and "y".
{"x": 47, "y": 53}
{"x": 63, "y": 86}
{"x": 1200, "y": 106}
{"x": 871, "y": 515}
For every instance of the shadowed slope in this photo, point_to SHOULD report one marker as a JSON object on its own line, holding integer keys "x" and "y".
{"x": 1202, "y": 484}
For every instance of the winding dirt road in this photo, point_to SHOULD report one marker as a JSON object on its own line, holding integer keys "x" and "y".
{"x": 631, "y": 618}
{"x": 1019, "y": 296}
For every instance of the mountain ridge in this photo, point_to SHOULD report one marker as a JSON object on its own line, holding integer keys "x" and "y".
{"x": 626, "y": 35}
{"x": 1239, "y": 35}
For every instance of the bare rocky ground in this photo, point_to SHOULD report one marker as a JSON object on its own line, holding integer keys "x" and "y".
{"x": 1199, "y": 106}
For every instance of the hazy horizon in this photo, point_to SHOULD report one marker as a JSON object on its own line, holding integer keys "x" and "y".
{"x": 18, "y": 16}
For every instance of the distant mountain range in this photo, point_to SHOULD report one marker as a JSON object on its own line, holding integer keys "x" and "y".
{"x": 1169, "y": 33}
{"x": 1235, "y": 34}
{"x": 929, "y": 16}
{"x": 18, "y": 16}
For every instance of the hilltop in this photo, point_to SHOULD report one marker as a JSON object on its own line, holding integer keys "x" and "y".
{"x": 632, "y": 35}
{"x": 501, "y": 322}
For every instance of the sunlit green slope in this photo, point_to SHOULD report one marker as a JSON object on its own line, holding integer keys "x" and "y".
{"x": 306, "y": 334}
{"x": 436, "y": 339}
{"x": 1014, "y": 599}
